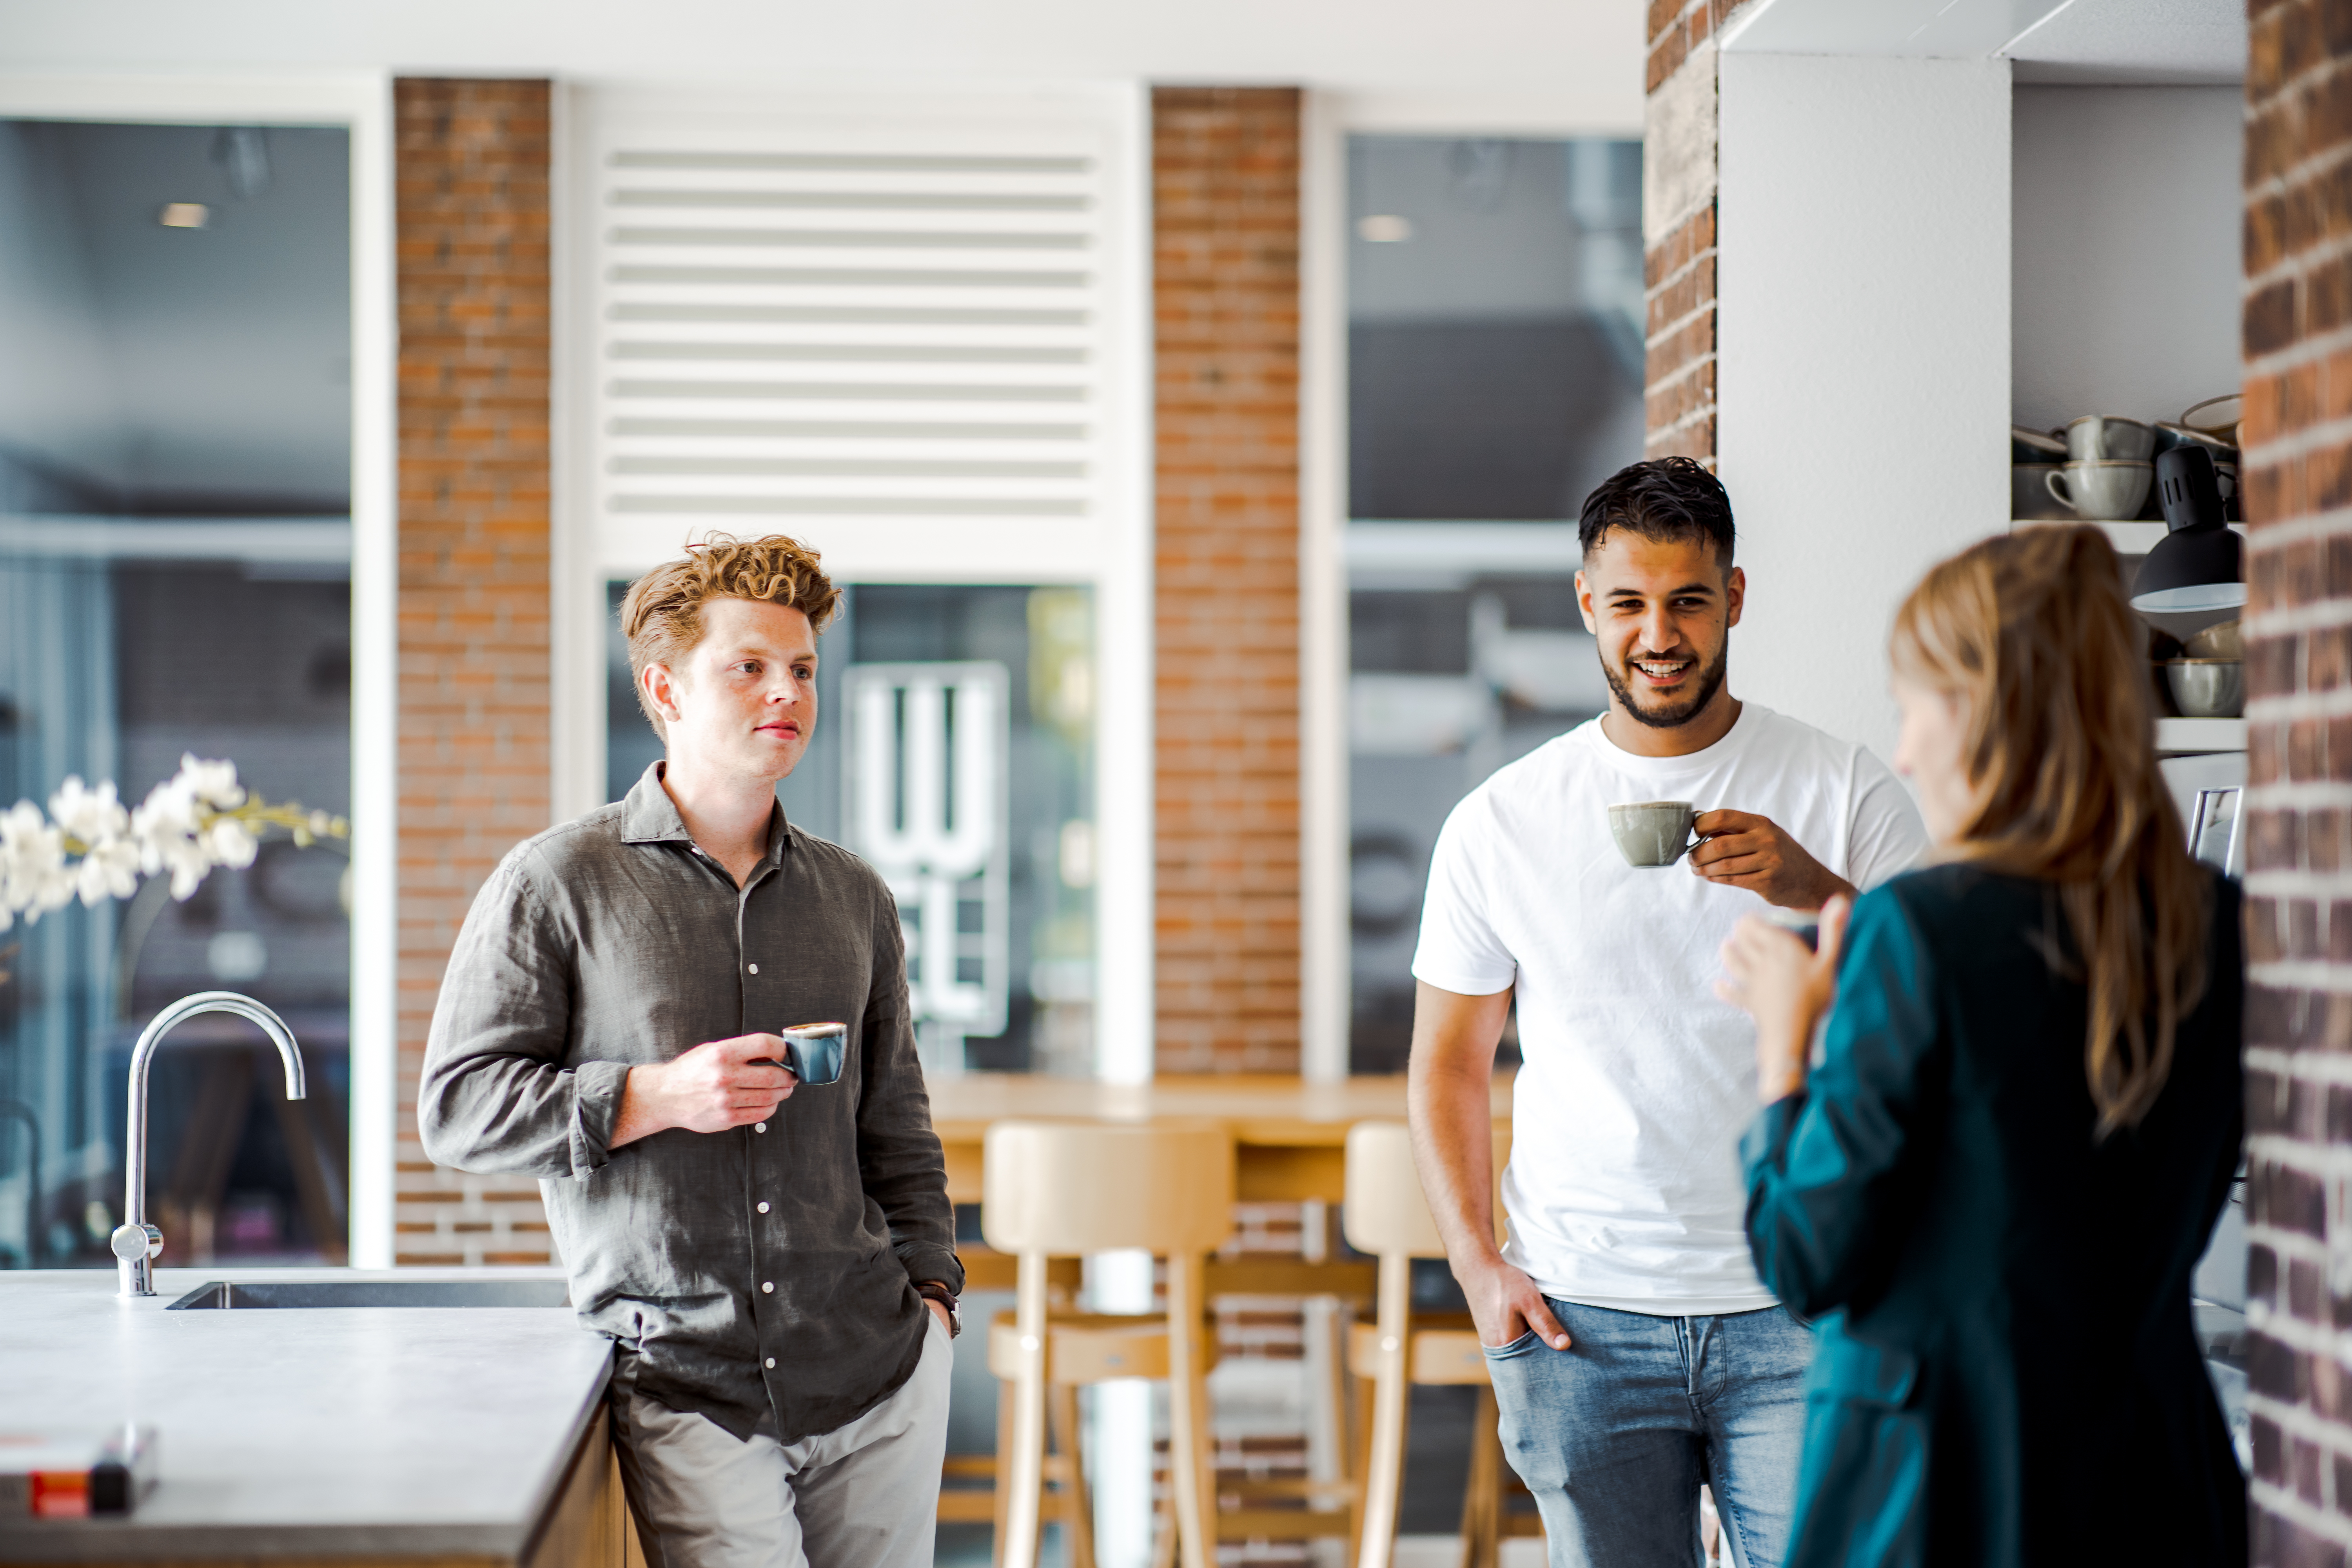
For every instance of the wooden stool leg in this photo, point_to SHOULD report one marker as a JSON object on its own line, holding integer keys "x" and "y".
{"x": 1384, "y": 1470}
{"x": 1022, "y": 1472}
{"x": 999, "y": 1484}
{"x": 1482, "y": 1501}
{"x": 1077, "y": 1503}
{"x": 1360, "y": 1420}
{"x": 1194, "y": 1493}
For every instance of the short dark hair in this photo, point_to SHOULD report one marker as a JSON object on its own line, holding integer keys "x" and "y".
{"x": 1664, "y": 499}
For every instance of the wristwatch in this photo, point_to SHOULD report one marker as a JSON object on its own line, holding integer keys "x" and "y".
{"x": 933, "y": 1290}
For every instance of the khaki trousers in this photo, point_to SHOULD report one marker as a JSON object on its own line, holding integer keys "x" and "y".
{"x": 862, "y": 1496}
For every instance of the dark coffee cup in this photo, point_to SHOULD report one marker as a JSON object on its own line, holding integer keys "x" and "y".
{"x": 814, "y": 1051}
{"x": 1805, "y": 925}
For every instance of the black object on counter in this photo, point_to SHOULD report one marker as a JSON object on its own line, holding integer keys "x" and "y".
{"x": 2200, "y": 565}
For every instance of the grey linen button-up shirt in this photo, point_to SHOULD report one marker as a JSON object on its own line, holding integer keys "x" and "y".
{"x": 758, "y": 1270}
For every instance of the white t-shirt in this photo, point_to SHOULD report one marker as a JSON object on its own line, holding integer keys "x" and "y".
{"x": 1623, "y": 1185}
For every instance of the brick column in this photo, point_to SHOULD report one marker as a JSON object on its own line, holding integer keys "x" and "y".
{"x": 1225, "y": 283}
{"x": 2299, "y": 464}
{"x": 471, "y": 175}
{"x": 1678, "y": 188}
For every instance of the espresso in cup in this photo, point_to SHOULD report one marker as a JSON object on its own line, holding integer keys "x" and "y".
{"x": 1650, "y": 834}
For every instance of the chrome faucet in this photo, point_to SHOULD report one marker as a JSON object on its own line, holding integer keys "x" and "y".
{"x": 135, "y": 1242}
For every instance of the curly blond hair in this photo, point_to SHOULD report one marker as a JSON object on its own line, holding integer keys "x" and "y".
{"x": 662, "y": 612}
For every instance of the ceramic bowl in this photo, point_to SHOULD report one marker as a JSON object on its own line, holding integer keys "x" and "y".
{"x": 2207, "y": 688}
{"x": 2035, "y": 445}
{"x": 2170, "y": 434}
{"x": 2223, "y": 639}
{"x": 2216, "y": 416}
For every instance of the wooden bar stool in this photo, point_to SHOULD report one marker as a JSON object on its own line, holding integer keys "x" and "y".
{"x": 1058, "y": 1189}
{"x": 987, "y": 1270}
{"x": 1387, "y": 1215}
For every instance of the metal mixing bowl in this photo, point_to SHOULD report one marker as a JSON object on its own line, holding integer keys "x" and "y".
{"x": 2207, "y": 687}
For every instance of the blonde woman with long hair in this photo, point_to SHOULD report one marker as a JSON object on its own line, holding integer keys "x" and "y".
{"x": 1991, "y": 1190}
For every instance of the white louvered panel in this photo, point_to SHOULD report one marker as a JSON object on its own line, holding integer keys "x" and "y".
{"x": 850, "y": 330}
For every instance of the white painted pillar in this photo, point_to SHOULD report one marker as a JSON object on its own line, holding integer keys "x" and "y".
{"x": 1863, "y": 356}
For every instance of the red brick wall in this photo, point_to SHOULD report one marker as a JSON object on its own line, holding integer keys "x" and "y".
{"x": 1226, "y": 252}
{"x": 471, "y": 174}
{"x": 2297, "y": 440}
{"x": 1678, "y": 382}
{"x": 1679, "y": 261}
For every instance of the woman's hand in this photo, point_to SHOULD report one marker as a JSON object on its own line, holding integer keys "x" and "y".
{"x": 1772, "y": 976}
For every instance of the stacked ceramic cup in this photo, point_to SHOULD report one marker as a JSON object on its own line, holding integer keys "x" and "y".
{"x": 2102, "y": 469}
{"x": 2209, "y": 678}
{"x": 2110, "y": 464}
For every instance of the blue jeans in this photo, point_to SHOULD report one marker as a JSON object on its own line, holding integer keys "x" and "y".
{"x": 1615, "y": 1435}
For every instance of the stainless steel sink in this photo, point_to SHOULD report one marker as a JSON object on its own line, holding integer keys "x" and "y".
{"x": 241, "y": 1294}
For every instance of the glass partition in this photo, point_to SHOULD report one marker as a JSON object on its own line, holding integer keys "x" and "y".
{"x": 954, "y": 750}
{"x": 175, "y": 432}
{"x": 1494, "y": 349}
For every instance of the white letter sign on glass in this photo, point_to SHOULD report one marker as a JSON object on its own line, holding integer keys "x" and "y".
{"x": 925, "y": 803}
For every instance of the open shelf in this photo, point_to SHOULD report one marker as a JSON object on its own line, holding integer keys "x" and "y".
{"x": 2176, "y": 737}
{"x": 2128, "y": 538}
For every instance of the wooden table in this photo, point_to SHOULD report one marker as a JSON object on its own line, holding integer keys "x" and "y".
{"x": 1289, "y": 1135}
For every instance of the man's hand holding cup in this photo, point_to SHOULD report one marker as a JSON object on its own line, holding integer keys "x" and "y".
{"x": 716, "y": 1085}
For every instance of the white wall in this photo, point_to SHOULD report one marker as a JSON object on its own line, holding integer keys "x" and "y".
{"x": 1864, "y": 374}
{"x": 2127, "y": 209}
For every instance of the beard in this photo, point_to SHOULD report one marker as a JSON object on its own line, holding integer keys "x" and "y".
{"x": 1671, "y": 712}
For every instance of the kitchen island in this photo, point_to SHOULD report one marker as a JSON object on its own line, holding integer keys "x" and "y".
{"x": 461, "y": 1436}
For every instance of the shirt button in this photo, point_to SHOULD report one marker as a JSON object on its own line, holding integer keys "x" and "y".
{"x": 763, "y": 1208}
{"x": 771, "y": 1364}
{"x": 753, "y": 967}
{"x": 769, "y": 1286}
{"x": 758, "y": 1127}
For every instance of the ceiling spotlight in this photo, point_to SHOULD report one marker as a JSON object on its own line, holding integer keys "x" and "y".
{"x": 185, "y": 215}
{"x": 1384, "y": 229}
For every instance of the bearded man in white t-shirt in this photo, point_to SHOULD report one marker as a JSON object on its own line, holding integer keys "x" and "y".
{"x": 1635, "y": 1355}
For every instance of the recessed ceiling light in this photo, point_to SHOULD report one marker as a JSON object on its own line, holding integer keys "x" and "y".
{"x": 185, "y": 215}
{"x": 1384, "y": 229}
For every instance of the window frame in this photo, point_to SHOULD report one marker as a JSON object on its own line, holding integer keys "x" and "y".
{"x": 1110, "y": 553}
{"x": 359, "y": 102}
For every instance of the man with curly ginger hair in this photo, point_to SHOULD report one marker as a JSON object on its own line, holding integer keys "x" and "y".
{"x": 774, "y": 1260}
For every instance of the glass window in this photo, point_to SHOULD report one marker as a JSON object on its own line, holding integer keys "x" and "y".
{"x": 954, "y": 750}
{"x": 174, "y": 578}
{"x": 1494, "y": 378}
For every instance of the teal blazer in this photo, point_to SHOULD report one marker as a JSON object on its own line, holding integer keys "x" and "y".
{"x": 2006, "y": 1372}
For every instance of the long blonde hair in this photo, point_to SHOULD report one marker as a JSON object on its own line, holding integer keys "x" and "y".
{"x": 2031, "y": 630}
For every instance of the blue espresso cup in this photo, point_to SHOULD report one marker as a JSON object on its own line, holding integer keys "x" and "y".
{"x": 814, "y": 1051}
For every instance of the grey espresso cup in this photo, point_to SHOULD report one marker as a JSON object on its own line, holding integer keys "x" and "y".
{"x": 1650, "y": 834}
{"x": 2109, "y": 435}
{"x": 814, "y": 1051}
{"x": 2105, "y": 489}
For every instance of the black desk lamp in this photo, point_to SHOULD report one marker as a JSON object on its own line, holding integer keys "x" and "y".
{"x": 2201, "y": 563}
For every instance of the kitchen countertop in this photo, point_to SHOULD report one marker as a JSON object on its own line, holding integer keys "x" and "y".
{"x": 337, "y": 1431}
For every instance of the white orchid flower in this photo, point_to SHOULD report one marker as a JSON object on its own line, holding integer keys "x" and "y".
{"x": 197, "y": 819}
{"x": 230, "y": 844}
{"x": 212, "y": 783}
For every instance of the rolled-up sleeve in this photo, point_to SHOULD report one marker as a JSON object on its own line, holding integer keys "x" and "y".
{"x": 900, "y": 1159}
{"x": 496, "y": 1094}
